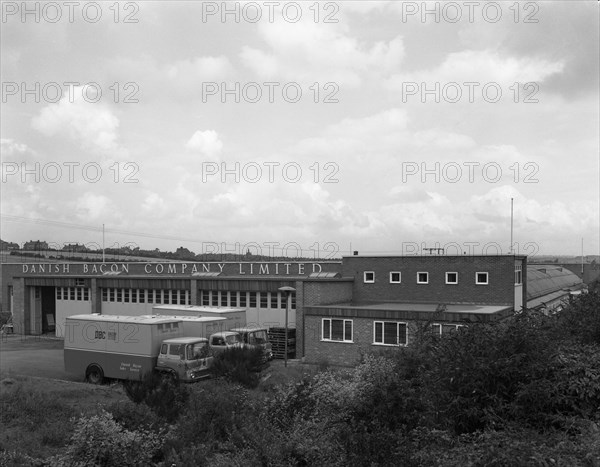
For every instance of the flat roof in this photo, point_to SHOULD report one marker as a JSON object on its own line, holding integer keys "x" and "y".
{"x": 425, "y": 307}
{"x": 184, "y": 340}
{"x": 144, "y": 319}
{"x": 196, "y": 319}
{"x": 198, "y": 308}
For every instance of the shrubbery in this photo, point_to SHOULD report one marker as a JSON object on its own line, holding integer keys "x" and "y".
{"x": 524, "y": 391}
{"x": 239, "y": 365}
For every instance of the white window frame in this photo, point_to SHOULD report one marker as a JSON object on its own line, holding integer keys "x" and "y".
{"x": 397, "y": 323}
{"x": 519, "y": 273}
{"x": 452, "y": 283}
{"x": 365, "y": 277}
{"x": 344, "y": 337}
{"x": 399, "y": 281}
{"x": 441, "y": 327}
{"x": 422, "y": 272}
{"x": 487, "y": 278}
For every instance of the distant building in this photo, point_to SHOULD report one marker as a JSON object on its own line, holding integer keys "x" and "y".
{"x": 549, "y": 286}
{"x": 35, "y": 245}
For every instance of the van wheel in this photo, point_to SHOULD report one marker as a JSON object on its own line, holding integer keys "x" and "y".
{"x": 94, "y": 374}
{"x": 169, "y": 377}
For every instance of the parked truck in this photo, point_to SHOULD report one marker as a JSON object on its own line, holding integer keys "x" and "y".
{"x": 127, "y": 347}
{"x": 256, "y": 337}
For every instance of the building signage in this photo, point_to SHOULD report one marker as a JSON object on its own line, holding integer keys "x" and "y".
{"x": 180, "y": 269}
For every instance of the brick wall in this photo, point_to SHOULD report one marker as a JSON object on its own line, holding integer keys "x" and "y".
{"x": 499, "y": 291}
{"x": 344, "y": 353}
{"x": 317, "y": 293}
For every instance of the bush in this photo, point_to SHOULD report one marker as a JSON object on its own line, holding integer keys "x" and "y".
{"x": 240, "y": 365}
{"x": 164, "y": 395}
{"x": 100, "y": 440}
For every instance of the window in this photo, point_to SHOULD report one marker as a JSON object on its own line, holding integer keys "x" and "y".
{"x": 337, "y": 330}
{"x": 134, "y": 294}
{"x": 481, "y": 278}
{"x": 182, "y": 294}
{"x": 79, "y": 282}
{"x": 112, "y": 295}
{"x": 252, "y": 300}
{"x": 264, "y": 300}
{"x": 119, "y": 295}
{"x": 390, "y": 333}
{"x": 158, "y": 296}
{"x": 293, "y": 305}
{"x": 243, "y": 296}
{"x": 71, "y": 293}
{"x": 174, "y": 294}
{"x": 86, "y": 294}
{"x": 126, "y": 295}
{"x": 223, "y": 298}
{"x": 142, "y": 296}
{"x": 235, "y": 299}
{"x": 518, "y": 274}
{"x": 274, "y": 300}
{"x": 438, "y": 329}
{"x": 205, "y": 297}
{"x": 395, "y": 277}
{"x": 59, "y": 293}
{"x": 422, "y": 278}
{"x": 369, "y": 277}
{"x": 174, "y": 349}
{"x": 451, "y": 278}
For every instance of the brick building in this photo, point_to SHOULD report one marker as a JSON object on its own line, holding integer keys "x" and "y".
{"x": 340, "y": 309}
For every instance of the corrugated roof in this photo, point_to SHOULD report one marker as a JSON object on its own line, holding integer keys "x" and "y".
{"x": 546, "y": 279}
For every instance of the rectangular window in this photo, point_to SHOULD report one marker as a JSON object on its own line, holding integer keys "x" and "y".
{"x": 112, "y": 294}
{"x": 369, "y": 277}
{"x": 126, "y": 295}
{"x": 274, "y": 300}
{"x": 205, "y": 297}
{"x": 223, "y": 298}
{"x": 182, "y": 297}
{"x": 264, "y": 300}
{"x": 243, "y": 300}
{"x": 79, "y": 293}
{"x": 481, "y": 278}
{"x": 79, "y": 282}
{"x": 390, "y": 333}
{"x": 252, "y": 300}
{"x": 436, "y": 329}
{"x": 134, "y": 295}
{"x": 174, "y": 294}
{"x": 72, "y": 293}
{"x": 395, "y": 277}
{"x": 142, "y": 296}
{"x": 59, "y": 293}
{"x": 422, "y": 278}
{"x": 293, "y": 305}
{"x": 158, "y": 296}
{"x": 451, "y": 278}
{"x": 518, "y": 274}
{"x": 86, "y": 294}
{"x": 337, "y": 330}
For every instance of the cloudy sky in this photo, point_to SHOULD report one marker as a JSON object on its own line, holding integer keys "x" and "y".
{"x": 336, "y": 126}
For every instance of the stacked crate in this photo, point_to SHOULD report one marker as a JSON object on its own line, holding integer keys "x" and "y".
{"x": 277, "y": 337}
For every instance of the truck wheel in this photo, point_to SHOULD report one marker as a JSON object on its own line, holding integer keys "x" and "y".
{"x": 169, "y": 377}
{"x": 94, "y": 374}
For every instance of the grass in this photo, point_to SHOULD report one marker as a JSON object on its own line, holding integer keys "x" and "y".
{"x": 36, "y": 413}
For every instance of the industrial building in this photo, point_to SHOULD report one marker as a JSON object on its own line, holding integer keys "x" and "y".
{"x": 340, "y": 309}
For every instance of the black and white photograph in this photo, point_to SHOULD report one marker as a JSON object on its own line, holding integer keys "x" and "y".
{"x": 304, "y": 233}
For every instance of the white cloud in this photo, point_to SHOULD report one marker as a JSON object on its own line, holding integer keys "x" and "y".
{"x": 91, "y": 208}
{"x": 206, "y": 142}
{"x": 306, "y": 52}
{"x": 92, "y": 125}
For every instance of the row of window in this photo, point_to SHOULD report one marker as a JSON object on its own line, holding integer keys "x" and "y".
{"x": 223, "y": 298}
{"x": 384, "y": 332}
{"x": 167, "y": 297}
{"x": 481, "y": 278}
{"x": 72, "y": 293}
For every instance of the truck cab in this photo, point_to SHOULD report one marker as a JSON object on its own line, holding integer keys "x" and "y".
{"x": 221, "y": 341}
{"x": 187, "y": 359}
{"x": 256, "y": 337}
